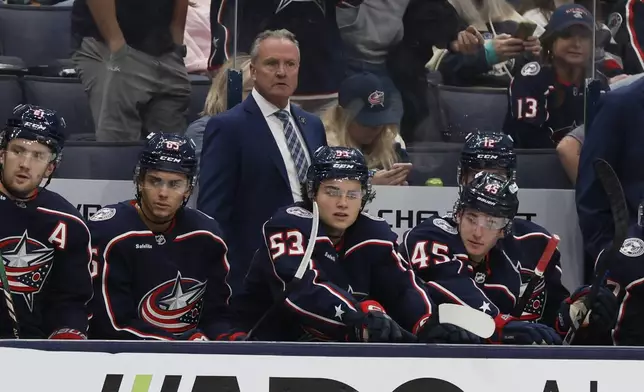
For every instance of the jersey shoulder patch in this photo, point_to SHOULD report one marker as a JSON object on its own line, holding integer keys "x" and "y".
{"x": 299, "y": 212}
{"x": 531, "y": 69}
{"x": 103, "y": 214}
{"x": 444, "y": 225}
{"x": 632, "y": 247}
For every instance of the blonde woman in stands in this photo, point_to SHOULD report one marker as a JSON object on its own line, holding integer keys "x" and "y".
{"x": 217, "y": 99}
{"x": 363, "y": 119}
{"x": 496, "y": 21}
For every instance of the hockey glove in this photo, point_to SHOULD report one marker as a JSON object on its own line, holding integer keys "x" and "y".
{"x": 193, "y": 335}
{"x": 372, "y": 324}
{"x": 509, "y": 330}
{"x": 68, "y": 334}
{"x": 233, "y": 336}
{"x": 430, "y": 331}
{"x": 602, "y": 318}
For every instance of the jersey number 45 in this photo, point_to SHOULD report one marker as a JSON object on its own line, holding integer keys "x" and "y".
{"x": 438, "y": 254}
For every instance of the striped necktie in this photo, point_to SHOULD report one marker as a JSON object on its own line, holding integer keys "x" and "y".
{"x": 294, "y": 146}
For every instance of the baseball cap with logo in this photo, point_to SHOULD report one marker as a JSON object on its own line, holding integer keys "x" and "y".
{"x": 366, "y": 95}
{"x": 566, "y": 16}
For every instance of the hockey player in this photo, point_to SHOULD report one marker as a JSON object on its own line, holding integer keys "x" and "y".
{"x": 627, "y": 274}
{"x": 356, "y": 288}
{"x": 546, "y": 101}
{"x": 493, "y": 153}
{"x": 161, "y": 267}
{"x": 44, "y": 242}
{"x": 477, "y": 258}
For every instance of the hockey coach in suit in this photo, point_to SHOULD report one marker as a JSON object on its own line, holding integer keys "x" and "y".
{"x": 255, "y": 156}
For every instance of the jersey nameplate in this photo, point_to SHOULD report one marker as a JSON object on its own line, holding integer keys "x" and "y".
{"x": 299, "y": 211}
{"x": 438, "y": 222}
{"x": 632, "y": 247}
{"x": 531, "y": 69}
{"x": 103, "y": 214}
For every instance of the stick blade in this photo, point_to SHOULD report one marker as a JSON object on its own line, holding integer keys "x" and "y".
{"x": 470, "y": 319}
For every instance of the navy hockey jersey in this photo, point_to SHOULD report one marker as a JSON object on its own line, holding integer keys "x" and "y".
{"x": 46, "y": 252}
{"x": 364, "y": 266}
{"x": 627, "y": 25}
{"x": 312, "y": 21}
{"x": 541, "y": 108}
{"x": 627, "y": 273}
{"x": 437, "y": 254}
{"x": 158, "y": 285}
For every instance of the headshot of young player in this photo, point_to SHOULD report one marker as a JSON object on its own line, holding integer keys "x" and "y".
{"x": 164, "y": 178}
{"x": 341, "y": 185}
{"x": 32, "y": 144}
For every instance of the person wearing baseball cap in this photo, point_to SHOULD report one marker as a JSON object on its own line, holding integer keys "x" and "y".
{"x": 366, "y": 119}
{"x": 547, "y": 97}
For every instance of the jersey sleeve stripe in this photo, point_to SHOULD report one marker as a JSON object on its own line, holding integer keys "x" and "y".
{"x": 313, "y": 315}
{"x": 268, "y": 252}
{"x": 367, "y": 242}
{"x": 329, "y": 288}
{"x": 414, "y": 282}
{"x": 630, "y": 27}
{"x": 106, "y": 296}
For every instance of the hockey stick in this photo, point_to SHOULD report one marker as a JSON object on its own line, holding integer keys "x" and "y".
{"x": 472, "y": 320}
{"x": 613, "y": 188}
{"x": 8, "y": 299}
{"x": 543, "y": 263}
{"x": 306, "y": 259}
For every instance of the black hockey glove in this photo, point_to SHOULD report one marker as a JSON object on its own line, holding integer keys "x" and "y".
{"x": 430, "y": 331}
{"x": 602, "y": 318}
{"x": 372, "y": 324}
{"x": 193, "y": 335}
{"x": 509, "y": 330}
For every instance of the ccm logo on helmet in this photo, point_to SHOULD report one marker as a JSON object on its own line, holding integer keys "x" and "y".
{"x": 34, "y": 126}
{"x": 169, "y": 159}
{"x": 343, "y": 166}
{"x": 487, "y": 156}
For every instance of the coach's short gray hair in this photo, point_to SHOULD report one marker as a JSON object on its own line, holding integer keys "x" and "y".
{"x": 278, "y": 34}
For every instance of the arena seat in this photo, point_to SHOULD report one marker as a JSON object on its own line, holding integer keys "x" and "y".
{"x": 99, "y": 160}
{"x": 38, "y": 35}
{"x": 10, "y": 96}
{"x": 200, "y": 85}
{"x": 65, "y": 95}
{"x": 469, "y": 109}
{"x": 537, "y": 169}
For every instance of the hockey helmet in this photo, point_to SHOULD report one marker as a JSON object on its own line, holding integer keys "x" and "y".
{"x": 487, "y": 150}
{"x": 169, "y": 152}
{"x": 38, "y": 124}
{"x": 491, "y": 194}
{"x": 338, "y": 163}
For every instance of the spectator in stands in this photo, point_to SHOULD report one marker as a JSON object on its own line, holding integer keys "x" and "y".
{"x": 217, "y": 99}
{"x": 130, "y": 58}
{"x": 495, "y": 62}
{"x": 546, "y": 101}
{"x": 197, "y": 36}
{"x": 314, "y": 24}
{"x": 255, "y": 156}
{"x": 364, "y": 119}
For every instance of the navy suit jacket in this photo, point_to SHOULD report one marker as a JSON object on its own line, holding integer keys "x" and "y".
{"x": 243, "y": 178}
{"x": 615, "y": 135}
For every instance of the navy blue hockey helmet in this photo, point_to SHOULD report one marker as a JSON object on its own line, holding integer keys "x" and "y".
{"x": 492, "y": 195}
{"x": 169, "y": 152}
{"x": 38, "y": 124}
{"x": 487, "y": 150}
{"x": 338, "y": 163}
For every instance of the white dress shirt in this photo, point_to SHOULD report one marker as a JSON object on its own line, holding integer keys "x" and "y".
{"x": 277, "y": 129}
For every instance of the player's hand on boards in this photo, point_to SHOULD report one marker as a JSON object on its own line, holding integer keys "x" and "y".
{"x": 603, "y": 314}
{"x": 372, "y": 324}
{"x": 430, "y": 331}
{"x": 509, "y": 330}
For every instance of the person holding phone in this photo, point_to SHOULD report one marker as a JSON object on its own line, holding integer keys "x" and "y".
{"x": 364, "y": 119}
{"x": 501, "y": 52}
{"x": 546, "y": 98}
